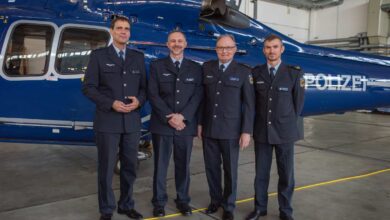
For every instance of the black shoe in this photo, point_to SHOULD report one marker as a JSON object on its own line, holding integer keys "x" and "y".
{"x": 212, "y": 208}
{"x": 132, "y": 213}
{"x": 105, "y": 217}
{"x": 158, "y": 211}
{"x": 255, "y": 215}
{"x": 227, "y": 215}
{"x": 184, "y": 209}
{"x": 285, "y": 217}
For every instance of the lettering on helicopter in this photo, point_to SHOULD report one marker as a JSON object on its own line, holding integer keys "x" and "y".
{"x": 339, "y": 82}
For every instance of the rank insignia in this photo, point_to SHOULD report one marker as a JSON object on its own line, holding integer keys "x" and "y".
{"x": 302, "y": 82}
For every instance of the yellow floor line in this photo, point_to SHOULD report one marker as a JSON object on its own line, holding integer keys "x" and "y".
{"x": 296, "y": 189}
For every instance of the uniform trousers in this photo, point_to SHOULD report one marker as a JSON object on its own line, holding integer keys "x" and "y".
{"x": 107, "y": 147}
{"x": 223, "y": 152}
{"x": 162, "y": 147}
{"x": 285, "y": 166}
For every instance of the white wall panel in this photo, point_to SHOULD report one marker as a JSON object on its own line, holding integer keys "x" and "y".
{"x": 345, "y": 20}
{"x": 290, "y": 21}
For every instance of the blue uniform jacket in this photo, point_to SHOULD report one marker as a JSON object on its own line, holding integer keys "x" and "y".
{"x": 229, "y": 103}
{"x": 278, "y": 104}
{"x": 107, "y": 79}
{"x": 170, "y": 91}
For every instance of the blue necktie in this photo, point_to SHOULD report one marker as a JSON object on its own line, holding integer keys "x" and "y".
{"x": 221, "y": 68}
{"x": 121, "y": 56}
{"x": 272, "y": 73}
{"x": 177, "y": 65}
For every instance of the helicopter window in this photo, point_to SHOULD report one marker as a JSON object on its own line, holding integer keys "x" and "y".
{"x": 75, "y": 46}
{"x": 28, "y": 50}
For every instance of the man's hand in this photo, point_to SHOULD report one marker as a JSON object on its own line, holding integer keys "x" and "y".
{"x": 134, "y": 103}
{"x": 244, "y": 140}
{"x": 120, "y": 107}
{"x": 200, "y": 131}
{"x": 176, "y": 121}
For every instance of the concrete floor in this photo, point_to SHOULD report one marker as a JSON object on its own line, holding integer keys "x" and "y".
{"x": 58, "y": 182}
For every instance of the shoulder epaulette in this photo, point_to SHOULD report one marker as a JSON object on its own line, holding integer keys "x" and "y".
{"x": 246, "y": 65}
{"x": 135, "y": 50}
{"x": 295, "y": 67}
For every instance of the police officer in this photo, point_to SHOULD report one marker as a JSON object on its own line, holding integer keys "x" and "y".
{"x": 226, "y": 123}
{"x": 279, "y": 92}
{"x": 175, "y": 92}
{"x": 116, "y": 82}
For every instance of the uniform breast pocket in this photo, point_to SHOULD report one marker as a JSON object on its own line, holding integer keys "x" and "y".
{"x": 109, "y": 69}
{"x": 261, "y": 86}
{"x": 209, "y": 80}
{"x": 236, "y": 84}
{"x": 166, "y": 83}
{"x": 189, "y": 83}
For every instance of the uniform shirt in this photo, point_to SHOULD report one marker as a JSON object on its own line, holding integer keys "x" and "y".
{"x": 275, "y": 67}
{"x": 226, "y": 65}
{"x": 119, "y": 50}
{"x": 174, "y": 61}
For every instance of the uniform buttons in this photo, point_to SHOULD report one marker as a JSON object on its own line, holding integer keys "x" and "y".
{"x": 177, "y": 102}
{"x": 124, "y": 84}
{"x": 270, "y": 111}
{"x": 271, "y": 87}
{"x": 219, "y": 82}
{"x": 217, "y": 93}
{"x": 124, "y": 72}
{"x": 216, "y": 105}
{"x": 270, "y": 99}
{"x": 177, "y": 79}
{"x": 269, "y": 122}
{"x": 215, "y": 116}
{"x": 177, "y": 91}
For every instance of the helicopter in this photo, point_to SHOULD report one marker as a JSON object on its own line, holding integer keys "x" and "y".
{"x": 45, "y": 47}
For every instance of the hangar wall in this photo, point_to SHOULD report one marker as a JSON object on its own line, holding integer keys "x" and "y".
{"x": 342, "y": 21}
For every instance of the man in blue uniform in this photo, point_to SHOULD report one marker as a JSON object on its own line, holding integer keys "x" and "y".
{"x": 116, "y": 82}
{"x": 226, "y": 122}
{"x": 279, "y": 92}
{"x": 175, "y": 92}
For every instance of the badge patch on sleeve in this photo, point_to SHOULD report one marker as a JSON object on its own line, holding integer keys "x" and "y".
{"x": 250, "y": 79}
{"x": 302, "y": 82}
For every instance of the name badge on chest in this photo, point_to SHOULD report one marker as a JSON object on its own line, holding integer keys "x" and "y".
{"x": 233, "y": 78}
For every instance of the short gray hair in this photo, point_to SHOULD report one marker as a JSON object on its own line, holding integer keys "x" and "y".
{"x": 176, "y": 31}
{"x": 226, "y": 35}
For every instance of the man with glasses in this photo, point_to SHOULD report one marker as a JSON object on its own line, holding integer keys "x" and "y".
{"x": 116, "y": 82}
{"x": 175, "y": 92}
{"x": 280, "y": 92}
{"x": 226, "y": 122}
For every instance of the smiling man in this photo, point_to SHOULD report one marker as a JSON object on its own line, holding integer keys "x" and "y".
{"x": 115, "y": 81}
{"x": 279, "y": 101}
{"x": 175, "y": 92}
{"x": 226, "y": 123}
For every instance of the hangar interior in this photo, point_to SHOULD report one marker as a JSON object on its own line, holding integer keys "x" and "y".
{"x": 342, "y": 167}
{"x": 359, "y": 25}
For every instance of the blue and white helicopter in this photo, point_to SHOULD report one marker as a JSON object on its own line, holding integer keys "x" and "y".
{"x": 45, "y": 45}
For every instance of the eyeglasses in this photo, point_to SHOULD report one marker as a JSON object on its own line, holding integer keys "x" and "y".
{"x": 228, "y": 49}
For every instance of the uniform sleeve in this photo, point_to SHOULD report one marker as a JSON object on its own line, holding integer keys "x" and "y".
{"x": 201, "y": 105}
{"x": 143, "y": 86}
{"x": 299, "y": 93}
{"x": 158, "y": 105}
{"x": 190, "y": 111}
{"x": 91, "y": 84}
{"x": 248, "y": 107}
